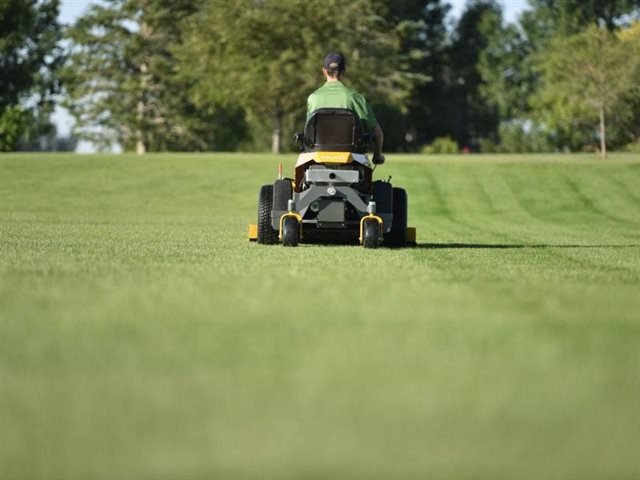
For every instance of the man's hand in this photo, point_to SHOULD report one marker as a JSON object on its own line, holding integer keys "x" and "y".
{"x": 378, "y": 159}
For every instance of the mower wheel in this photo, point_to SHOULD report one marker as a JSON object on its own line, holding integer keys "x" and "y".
{"x": 282, "y": 193}
{"x": 397, "y": 236}
{"x": 290, "y": 232}
{"x": 266, "y": 234}
{"x": 371, "y": 234}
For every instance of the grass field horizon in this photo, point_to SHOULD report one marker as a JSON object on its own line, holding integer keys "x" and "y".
{"x": 143, "y": 336}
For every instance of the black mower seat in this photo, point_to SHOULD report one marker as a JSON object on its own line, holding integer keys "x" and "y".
{"x": 334, "y": 130}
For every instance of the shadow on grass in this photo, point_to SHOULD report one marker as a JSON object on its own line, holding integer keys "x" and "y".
{"x": 453, "y": 246}
{"x": 437, "y": 246}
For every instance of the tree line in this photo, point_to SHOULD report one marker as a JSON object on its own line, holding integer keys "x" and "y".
{"x": 218, "y": 75}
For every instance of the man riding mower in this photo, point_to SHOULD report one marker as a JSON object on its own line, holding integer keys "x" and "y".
{"x": 332, "y": 196}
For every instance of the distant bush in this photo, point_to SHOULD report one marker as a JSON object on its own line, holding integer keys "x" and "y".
{"x": 442, "y": 145}
{"x": 523, "y": 137}
{"x": 518, "y": 136}
{"x": 633, "y": 147}
{"x": 488, "y": 146}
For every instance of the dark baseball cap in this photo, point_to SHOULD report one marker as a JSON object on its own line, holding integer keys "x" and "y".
{"x": 335, "y": 60}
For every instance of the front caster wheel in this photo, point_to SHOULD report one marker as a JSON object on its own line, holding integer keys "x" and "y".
{"x": 371, "y": 234}
{"x": 290, "y": 232}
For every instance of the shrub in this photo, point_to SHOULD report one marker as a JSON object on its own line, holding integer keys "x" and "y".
{"x": 442, "y": 145}
{"x": 488, "y": 146}
{"x": 523, "y": 136}
{"x": 633, "y": 147}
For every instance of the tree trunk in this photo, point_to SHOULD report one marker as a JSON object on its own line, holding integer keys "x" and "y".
{"x": 276, "y": 136}
{"x": 141, "y": 110}
{"x": 140, "y": 146}
{"x": 603, "y": 134}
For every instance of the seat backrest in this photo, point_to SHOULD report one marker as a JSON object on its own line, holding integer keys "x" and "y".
{"x": 334, "y": 130}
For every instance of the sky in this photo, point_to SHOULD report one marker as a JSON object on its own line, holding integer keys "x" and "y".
{"x": 70, "y": 10}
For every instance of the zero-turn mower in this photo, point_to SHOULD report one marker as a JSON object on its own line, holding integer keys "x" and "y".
{"x": 332, "y": 197}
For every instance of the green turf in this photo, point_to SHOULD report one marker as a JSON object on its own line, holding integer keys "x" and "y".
{"x": 144, "y": 338}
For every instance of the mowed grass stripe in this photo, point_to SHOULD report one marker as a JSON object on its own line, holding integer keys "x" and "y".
{"x": 144, "y": 337}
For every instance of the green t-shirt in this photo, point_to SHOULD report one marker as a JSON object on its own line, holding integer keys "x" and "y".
{"x": 337, "y": 95}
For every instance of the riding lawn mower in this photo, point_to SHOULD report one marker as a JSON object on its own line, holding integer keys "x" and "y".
{"x": 332, "y": 197}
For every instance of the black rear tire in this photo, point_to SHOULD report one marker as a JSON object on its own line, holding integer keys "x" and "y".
{"x": 290, "y": 232}
{"x": 282, "y": 193}
{"x": 266, "y": 234}
{"x": 397, "y": 236}
{"x": 371, "y": 234}
{"x": 383, "y": 196}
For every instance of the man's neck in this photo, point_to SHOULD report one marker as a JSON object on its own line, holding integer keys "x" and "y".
{"x": 332, "y": 79}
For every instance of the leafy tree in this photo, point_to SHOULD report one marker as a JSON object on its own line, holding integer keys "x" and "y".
{"x": 568, "y": 17}
{"x": 29, "y": 58}
{"x": 422, "y": 34}
{"x": 585, "y": 75}
{"x": 122, "y": 84}
{"x": 266, "y": 56}
{"x": 509, "y": 66}
{"x": 506, "y": 68}
{"x": 626, "y": 112}
{"x": 473, "y": 118}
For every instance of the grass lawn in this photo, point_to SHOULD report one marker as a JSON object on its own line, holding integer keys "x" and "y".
{"x": 143, "y": 337}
